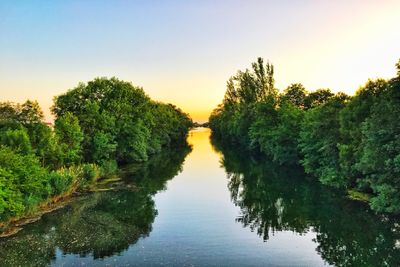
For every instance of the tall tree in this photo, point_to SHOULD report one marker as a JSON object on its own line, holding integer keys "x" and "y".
{"x": 319, "y": 138}
{"x": 69, "y": 136}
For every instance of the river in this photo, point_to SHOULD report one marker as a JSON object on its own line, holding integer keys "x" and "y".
{"x": 206, "y": 205}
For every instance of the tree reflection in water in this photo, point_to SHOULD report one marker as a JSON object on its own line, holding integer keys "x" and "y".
{"x": 100, "y": 224}
{"x": 278, "y": 198}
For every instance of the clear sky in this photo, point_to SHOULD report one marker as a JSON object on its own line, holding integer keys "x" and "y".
{"x": 183, "y": 52}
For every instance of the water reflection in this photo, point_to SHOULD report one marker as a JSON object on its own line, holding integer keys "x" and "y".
{"x": 97, "y": 225}
{"x": 273, "y": 198}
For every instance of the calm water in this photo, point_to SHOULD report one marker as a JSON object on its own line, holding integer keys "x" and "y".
{"x": 209, "y": 206}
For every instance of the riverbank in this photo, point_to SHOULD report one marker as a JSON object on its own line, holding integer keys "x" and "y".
{"x": 15, "y": 224}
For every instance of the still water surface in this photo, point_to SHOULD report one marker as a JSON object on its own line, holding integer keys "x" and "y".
{"x": 209, "y": 206}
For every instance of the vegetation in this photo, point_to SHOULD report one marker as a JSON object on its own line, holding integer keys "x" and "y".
{"x": 345, "y": 142}
{"x": 98, "y": 125}
{"x": 99, "y": 225}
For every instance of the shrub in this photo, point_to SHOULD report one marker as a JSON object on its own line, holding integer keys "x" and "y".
{"x": 91, "y": 173}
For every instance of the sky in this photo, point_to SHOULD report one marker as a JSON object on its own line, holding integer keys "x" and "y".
{"x": 183, "y": 52}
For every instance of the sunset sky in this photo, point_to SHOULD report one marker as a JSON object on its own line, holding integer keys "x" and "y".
{"x": 183, "y": 52}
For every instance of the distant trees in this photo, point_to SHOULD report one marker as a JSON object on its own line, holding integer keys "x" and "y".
{"x": 345, "y": 142}
{"x": 98, "y": 124}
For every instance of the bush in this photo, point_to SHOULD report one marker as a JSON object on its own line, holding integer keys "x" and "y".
{"x": 109, "y": 167}
{"x": 91, "y": 173}
{"x": 11, "y": 199}
{"x": 23, "y": 182}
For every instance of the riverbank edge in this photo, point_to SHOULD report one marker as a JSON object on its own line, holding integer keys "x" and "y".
{"x": 355, "y": 195}
{"x": 13, "y": 225}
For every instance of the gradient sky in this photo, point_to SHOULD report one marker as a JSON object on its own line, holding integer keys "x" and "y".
{"x": 183, "y": 52}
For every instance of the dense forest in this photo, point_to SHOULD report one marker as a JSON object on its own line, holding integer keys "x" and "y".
{"x": 348, "y": 142}
{"x": 98, "y": 126}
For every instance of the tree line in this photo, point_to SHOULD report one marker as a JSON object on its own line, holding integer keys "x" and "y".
{"x": 348, "y": 142}
{"x": 98, "y": 125}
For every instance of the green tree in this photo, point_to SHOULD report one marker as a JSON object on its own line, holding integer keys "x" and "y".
{"x": 69, "y": 136}
{"x": 380, "y": 160}
{"x": 317, "y": 98}
{"x": 17, "y": 139}
{"x": 319, "y": 139}
{"x": 352, "y": 117}
{"x": 24, "y": 182}
{"x": 119, "y": 120}
{"x": 295, "y": 94}
{"x": 247, "y": 95}
{"x": 30, "y": 113}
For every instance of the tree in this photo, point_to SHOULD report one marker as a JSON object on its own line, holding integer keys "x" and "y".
{"x": 352, "y": 117}
{"x": 18, "y": 140}
{"x": 69, "y": 136}
{"x": 319, "y": 138}
{"x": 119, "y": 121}
{"x": 23, "y": 182}
{"x": 317, "y": 98}
{"x": 283, "y": 143}
{"x": 30, "y": 113}
{"x": 246, "y": 93}
{"x": 380, "y": 160}
{"x": 295, "y": 94}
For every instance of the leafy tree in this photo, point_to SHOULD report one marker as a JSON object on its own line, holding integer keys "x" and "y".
{"x": 101, "y": 122}
{"x": 22, "y": 127}
{"x": 69, "y": 136}
{"x": 262, "y": 127}
{"x": 380, "y": 160}
{"x": 319, "y": 138}
{"x": 283, "y": 145}
{"x": 8, "y": 115}
{"x": 317, "y": 98}
{"x": 30, "y": 113}
{"x": 352, "y": 117}
{"x": 344, "y": 142}
{"x": 17, "y": 139}
{"x": 23, "y": 182}
{"x": 295, "y": 94}
{"x": 243, "y": 102}
{"x": 119, "y": 120}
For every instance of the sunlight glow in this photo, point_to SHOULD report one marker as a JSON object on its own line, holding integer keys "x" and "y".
{"x": 183, "y": 53}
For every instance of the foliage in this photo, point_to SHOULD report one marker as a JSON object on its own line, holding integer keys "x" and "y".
{"x": 319, "y": 137}
{"x": 17, "y": 139}
{"x": 282, "y": 145}
{"x": 380, "y": 160}
{"x": 352, "y": 118}
{"x": 99, "y": 225}
{"x": 296, "y": 94}
{"x": 23, "y": 182}
{"x": 341, "y": 141}
{"x": 241, "y": 106}
{"x": 98, "y": 125}
{"x": 70, "y": 136}
{"x": 119, "y": 121}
